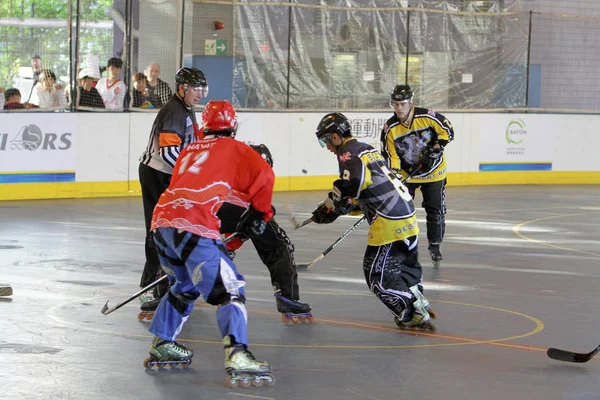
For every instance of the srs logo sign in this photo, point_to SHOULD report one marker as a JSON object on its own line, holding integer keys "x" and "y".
{"x": 30, "y": 137}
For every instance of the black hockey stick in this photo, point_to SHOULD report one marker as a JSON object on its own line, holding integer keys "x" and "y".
{"x": 569, "y": 356}
{"x": 305, "y": 266}
{"x": 105, "y": 310}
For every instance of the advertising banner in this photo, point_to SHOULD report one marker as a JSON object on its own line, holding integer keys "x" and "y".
{"x": 38, "y": 147}
{"x": 514, "y": 143}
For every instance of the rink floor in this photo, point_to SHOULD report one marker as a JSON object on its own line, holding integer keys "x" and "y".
{"x": 520, "y": 274}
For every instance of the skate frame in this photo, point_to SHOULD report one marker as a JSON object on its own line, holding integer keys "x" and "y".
{"x": 105, "y": 310}
{"x": 569, "y": 356}
{"x": 305, "y": 266}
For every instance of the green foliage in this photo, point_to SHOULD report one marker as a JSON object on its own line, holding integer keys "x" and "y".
{"x": 19, "y": 43}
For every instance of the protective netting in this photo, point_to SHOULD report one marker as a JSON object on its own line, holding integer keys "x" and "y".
{"x": 351, "y": 54}
{"x": 322, "y": 54}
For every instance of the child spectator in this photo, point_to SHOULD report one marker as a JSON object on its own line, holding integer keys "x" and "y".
{"x": 139, "y": 92}
{"x": 47, "y": 94}
{"x": 12, "y": 99}
{"x": 111, "y": 88}
{"x": 87, "y": 95}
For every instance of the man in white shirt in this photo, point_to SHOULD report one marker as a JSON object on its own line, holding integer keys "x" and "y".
{"x": 111, "y": 88}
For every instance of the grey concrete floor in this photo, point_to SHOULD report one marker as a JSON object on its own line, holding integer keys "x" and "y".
{"x": 520, "y": 275}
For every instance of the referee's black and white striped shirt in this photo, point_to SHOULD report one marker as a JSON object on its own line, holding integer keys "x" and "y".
{"x": 173, "y": 129}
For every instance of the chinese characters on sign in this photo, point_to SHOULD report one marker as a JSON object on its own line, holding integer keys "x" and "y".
{"x": 367, "y": 127}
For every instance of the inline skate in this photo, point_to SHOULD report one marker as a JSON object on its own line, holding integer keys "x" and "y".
{"x": 164, "y": 352}
{"x": 292, "y": 311}
{"x": 243, "y": 369}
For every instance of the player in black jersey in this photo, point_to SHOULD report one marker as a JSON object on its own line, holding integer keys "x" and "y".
{"x": 413, "y": 142}
{"x": 174, "y": 128}
{"x": 391, "y": 264}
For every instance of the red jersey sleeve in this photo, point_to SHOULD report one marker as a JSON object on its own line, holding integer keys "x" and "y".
{"x": 256, "y": 179}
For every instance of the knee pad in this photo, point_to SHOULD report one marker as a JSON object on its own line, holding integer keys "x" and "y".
{"x": 437, "y": 218}
{"x": 181, "y": 301}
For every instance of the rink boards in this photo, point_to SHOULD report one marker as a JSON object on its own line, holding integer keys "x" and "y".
{"x": 67, "y": 155}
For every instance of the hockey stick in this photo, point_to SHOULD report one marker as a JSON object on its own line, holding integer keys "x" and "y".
{"x": 105, "y": 310}
{"x": 289, "y": 213}
{"x": 305, "y": 266}
{"x": 564, "y": 355}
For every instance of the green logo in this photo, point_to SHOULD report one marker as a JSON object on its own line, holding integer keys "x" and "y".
{"x": 516, "y": 131}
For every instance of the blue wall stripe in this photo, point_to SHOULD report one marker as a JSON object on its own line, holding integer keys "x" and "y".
{"x": 38, "y": 177}
{"x": 487, "y": 167}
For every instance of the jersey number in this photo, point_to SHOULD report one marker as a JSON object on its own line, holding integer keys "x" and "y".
{"x": 197, "y": 159}
{"x": 397, "y": 182}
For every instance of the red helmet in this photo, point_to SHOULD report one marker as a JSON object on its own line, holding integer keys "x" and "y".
{"x": 219, "y": 118}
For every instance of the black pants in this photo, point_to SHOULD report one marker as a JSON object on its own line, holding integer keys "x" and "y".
{"x": 274, "y": 248}
{"x": 434, "y": 203}
{"x": 154, "y": 183}
{"x": 390, "y": 270}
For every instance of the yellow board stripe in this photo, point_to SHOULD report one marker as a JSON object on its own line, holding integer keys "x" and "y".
{"x": 64, "y": 190}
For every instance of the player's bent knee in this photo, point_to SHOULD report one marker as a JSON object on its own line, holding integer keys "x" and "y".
{"x": 181, "y": 301}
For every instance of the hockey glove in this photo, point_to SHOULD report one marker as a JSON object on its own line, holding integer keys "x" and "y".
{"x": 429, "y": 160}
{"x": 251, "y": 224}
{"x": 343, "y": 205}
{"x": 325, "y": 212}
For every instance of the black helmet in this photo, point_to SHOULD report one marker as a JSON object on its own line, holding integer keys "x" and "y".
{"x": 264, "y": 153}
{"x": 401, "y": 93}
{"x": 333, "y": 123}
{"x": 192, "y": 77}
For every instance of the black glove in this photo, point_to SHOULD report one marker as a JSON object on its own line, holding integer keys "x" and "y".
{"x": 429, "y": 160}
{"x": 251, "y": 224}
{"x": 325, "y": 212}
{"x": 342, "y": 204}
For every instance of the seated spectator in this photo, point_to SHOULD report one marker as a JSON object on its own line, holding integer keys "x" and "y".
{"x": 111, "y": 88}
{"x": 159, "y": 91}
{"x": 87, "y": 95}
{"x": 139, "y": 92}
{"x": 12, "y": 98}
{"x": 47, "y": 94}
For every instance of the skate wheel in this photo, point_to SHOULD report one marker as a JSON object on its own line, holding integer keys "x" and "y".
{"x": 147, "y": 362}
{"x": 270, "y": 381}
{"x": 141, "y": 317}
{"x": 294, "y": 319}
{"x": 257, "y": 381}
{"x": 231, "y": 382}
{"x": 310, "y": 319}
{"x": 245, "y": 382}
{"x": 432, "y": 314}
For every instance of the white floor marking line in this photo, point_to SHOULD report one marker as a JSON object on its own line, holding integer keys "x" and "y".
{"x": 252, "y": 396}
{"x": 427, "y": 285}
{"x": 507, "y": 269}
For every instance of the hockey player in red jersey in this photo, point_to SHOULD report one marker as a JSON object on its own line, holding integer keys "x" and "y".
{"x": 188, "y": 240}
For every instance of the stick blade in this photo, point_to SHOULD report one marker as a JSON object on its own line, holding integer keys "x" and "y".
{"x": 303, "y": 266}
{"x": 105, "y": 309}
{"x": 569, "y": 356}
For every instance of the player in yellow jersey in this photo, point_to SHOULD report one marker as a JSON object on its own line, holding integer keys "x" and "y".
{"x": 413, "y": 141}
{"x": 391, "y": 264}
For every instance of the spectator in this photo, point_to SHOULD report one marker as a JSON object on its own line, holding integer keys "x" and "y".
{"x": 111, "y": 88}
{"x": 139, "y": 92}
{"x": 2, "y": 90}
{"x": 159, "y": 91}
{"x": 12, "y": 99}
{"x": 47, "y": 94}
{"x": 87, "y": 95}
{"x": 36, "y": 67}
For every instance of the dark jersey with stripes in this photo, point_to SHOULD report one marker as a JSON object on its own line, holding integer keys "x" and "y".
{"x": 379, "y": 192}
{"x": 403, "y": 146}
{"x": 173, "y": 118}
